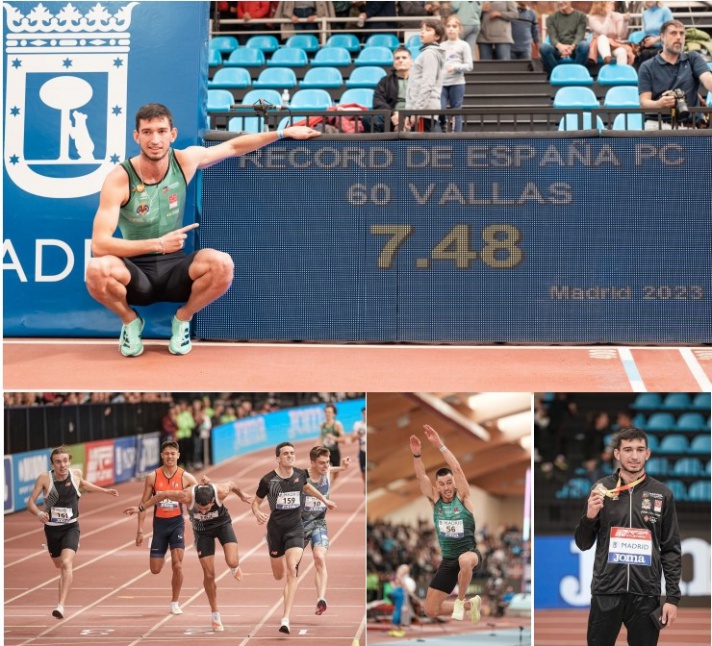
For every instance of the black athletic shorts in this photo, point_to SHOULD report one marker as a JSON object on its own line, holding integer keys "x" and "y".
{"x": 610, "y": 611}
{"x": 167, "y": 532}
{"x": 445, "y": 578}
{"x": 279, "y": 539}
{"x": 62, "y": 537}
{"x": 335, "y": 457}
{"x": 205, "y": 541}
{"x": 362, "y": 461}
{"x": 159, "y": 278}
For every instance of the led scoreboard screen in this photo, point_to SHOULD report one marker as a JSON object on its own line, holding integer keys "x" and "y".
{"x": 600, "y": 240}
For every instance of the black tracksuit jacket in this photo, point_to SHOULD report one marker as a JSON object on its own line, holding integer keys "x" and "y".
{"x": 649, "y": 505}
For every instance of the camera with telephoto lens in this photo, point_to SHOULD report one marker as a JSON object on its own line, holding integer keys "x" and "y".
{"x": 681, "y": 109}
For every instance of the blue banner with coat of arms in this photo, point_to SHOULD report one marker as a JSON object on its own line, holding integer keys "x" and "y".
{"x": 75, "y": 74}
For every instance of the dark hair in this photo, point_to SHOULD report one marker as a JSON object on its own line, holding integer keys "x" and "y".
{"x": 280, "y": 446}
{"x": 332, "y": 406}
{"x": 204, "y": 494}
{"x": 317, "y": 452}
{"x": 58, "y": 450}
{"x": 436, "y": 25}
{"x": 629, "y": 433}
{"x": 402, "y": 48}
{"x": 669, "y": 23}
{"x": 445, "y": 471}
{"x": 169, "y": 444}
{"x": 152, "y": 111}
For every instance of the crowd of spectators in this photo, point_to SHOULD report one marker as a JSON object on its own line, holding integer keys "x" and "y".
{"x": 504, "y": 555}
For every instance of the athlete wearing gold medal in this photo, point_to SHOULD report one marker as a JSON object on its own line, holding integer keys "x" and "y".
{"x": 632, "y": 520}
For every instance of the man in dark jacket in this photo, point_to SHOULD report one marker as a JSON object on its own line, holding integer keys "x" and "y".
{"x": 631, "y": 517}
{"x": 391, "y": 89}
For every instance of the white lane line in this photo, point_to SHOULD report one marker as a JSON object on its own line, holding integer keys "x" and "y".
{"x": 696, "y": 369}
{"x": 631, "y": 370}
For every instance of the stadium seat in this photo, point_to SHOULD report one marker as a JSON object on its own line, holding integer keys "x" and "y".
{"x": 246, "y": 57}
{"x": 657, "y": 467}
{"x": 277, "y": 78}
{"x": 311, "y": 100}
{"x": 374, "y": 56}
{"x": 610, "y": 75}
{"x": 230, "y": 77}
{"x": 414, "y": 41}
{"x": 577, "y": 98}
{"x": 220, "y": 101}
{"x": 676, "y": 401}
{"x": 224, "y": 44}
{"x": 640, "y": 420}
{"x": 690, "y": 423}
{"x": 687, "y": 467}
{"x": 383, "y": 40}
{"x": 414, "y": 52}
{"x": 701, "y": 402}
{"x": 322, "y": 77}
{"x": 647, "y": 401}
{"x": 699, "y": 491}
{"x": 332, "y": 57}
{"x": 214, "y": 58}
{"x": 361, "y": 95}
{"x": 271, "y": 97}
{"x": 628, "y": 121}
{"x": 622, "y": 96}
{"x": 575, "y": 488}
{"x": 308, "y": 42}
{"x": 246, "y": 124}
{"x": 570, "y": 75}
{"x": 636, "y": 37}
{"x": 678, "y": 489}
{"x": 673, "y": 444}
{"x": 365, "y": 77}
{"x": 700, "y": 445}
{"x": 288, "y": 57}
{"x": 653, "y": 442}
{"x": 349, "y": 42}
{"x": 267, "y": 44}
{"x": 660, "y": 422}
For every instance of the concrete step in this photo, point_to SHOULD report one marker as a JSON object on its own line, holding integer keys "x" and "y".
{"x": 504, "y": 101}
{"x": 499, "y": 88}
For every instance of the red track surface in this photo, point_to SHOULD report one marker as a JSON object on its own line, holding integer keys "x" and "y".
{"x": 115, "y": 600}
{"x": 65, "y": 364}
{"x": 568, "y": 628}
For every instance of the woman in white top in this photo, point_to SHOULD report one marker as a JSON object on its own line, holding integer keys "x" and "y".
{"x": 610, "y": 30}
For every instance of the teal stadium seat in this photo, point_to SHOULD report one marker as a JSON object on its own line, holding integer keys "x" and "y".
{"x": 610, "y": 75}
{"x": 311, "y": 100}
{"x": 700, "y": 445}
{"x": 230, "y": 77}
{"x": 214, "y": 58}
{"x": 349, "y": 42}
{"x": 575, "y": 488}
{"x": 676, "y": 401}
{"x": 699, "y": 491}
{"x": 624, "y": 96}
{"x": 414, "y": 41}
{"x": 308, "y": 42}
{"x": 656, "y": 467}
{"x": 679, "y": 491}
{"x": 268, "y": 44}
{"x": 687, "y": 467}
{"x": 673, "y": 444}
{"x": 690, "y": 423}
{"x": 365, "y": 77}
{"x": 220, "y": 101}
{"x": 383, "y": 40}
{"x": 332, "y": 57}
{"x": 647, "y": 402}
{"x": 248, "y": 124}
{"x": 246, "y": 57}
{"x": 374, "y": 56}
{"x": 277, "y": 78}
{"x": 289, "y": 57}
{"x": 322, "y": 77}
{"x": 414, "y": 52}
{"x": 361, "y": 95}
{"x": 660, "y": 422}
{"x": 224, "y": 44}
{"x": 272, "y": 97}
{"x": 578, "y": 98}
{"x": 570, "y": 75}
{"x": 702, "y": 402}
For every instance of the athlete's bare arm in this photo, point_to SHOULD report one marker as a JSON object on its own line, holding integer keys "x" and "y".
{"x": 426, "y": 486}
{"x": 227, "y": 488}
{"x": 313, "y": 491}
{"x": 261, "y": 516}
{"x": 463, "y": 487}
{"x": 41, "y": 487}
{"x": 147, "y": 493}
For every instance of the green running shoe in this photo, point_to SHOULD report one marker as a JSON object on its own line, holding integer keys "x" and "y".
{"x": 130, "y": 343}
{"x": 180, "y": 337}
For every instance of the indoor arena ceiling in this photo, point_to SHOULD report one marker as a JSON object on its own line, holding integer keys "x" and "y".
{"x": 490, "y": 433}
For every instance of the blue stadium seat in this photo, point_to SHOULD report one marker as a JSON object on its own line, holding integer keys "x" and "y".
{"x": 687, "y": 467}
{"x": 311, "y": 100}
{"x": 635, "y": 37}
{"x": 365, "y": 77}
{"x": 268, "y": 96}
{"x": 267, "y": 44}
{"x": 577, "y": 98}
{"x": 374, "y": 56}
{"x": 322, "y": 77}
{"x": 676, "y": 401}
{"x": 349, "y": 42}
{"x": 690, "y": 423}
{"x": 288, "y": 57}
{"x": 647, "y": 401}
{"x": 361, "y": 95}
{"x": 246, "y": 57}
{"x": 657, "y": 467}
{"x": 230, "y": 77}
{"x": 660, "y": 422}
{"x": 414, "y": 41}
{"x": 224, "y": 44}
{"x": 308, "y": 42}
{"x": 702, "y": 402}
{"x": 628, "y": 121}
{"x": 673, "y": 444}
{"x": 653, "y": 442}
{"x": 678, "y": 489}
{"x": 701, "y": 445}
{"x": 220, "y": 101}
{"x": 622, "y": 96}
{"x": 640, "y": 420}
{"x": 383, "y": 40}
{"x": 246, "y": 124}
{"x": 617, "y": 75}
{"x": 699, "y": 491}
{"x": 332, "y": 57}
{"x": 575, "y": 488}
{"x": 214, "y": 58}
{"x": 570, "y": 75}
{"x": 414, "y": 52}
{"x": 277, "y": 78}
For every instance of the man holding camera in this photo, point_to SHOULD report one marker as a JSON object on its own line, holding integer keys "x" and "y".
{"x": 671, "y": 80}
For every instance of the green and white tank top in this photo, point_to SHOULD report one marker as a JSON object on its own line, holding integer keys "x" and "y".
{"x": 455, "y": 527}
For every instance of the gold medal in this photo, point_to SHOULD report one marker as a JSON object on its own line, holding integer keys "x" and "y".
{"x": 140, "y": 188}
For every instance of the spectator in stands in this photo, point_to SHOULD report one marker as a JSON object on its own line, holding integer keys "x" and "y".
{"x": 402, "y": 587}
{"x": 626, "y": 584}
{"x": 303, "y": 16}
{"x": 469, "y": 14}
{"x": 342, "y": 9}
{"x": 248, "y": 11}
{"x": 672, "y": 69}
{"x": 567, "y": 34}
{"x": 525, "y": 32}
{"x": 495, "y": 37}
{"x": 220, "y": 11}
{"x": 184, "y": 433}
{"x": 458, "y": 60}
{"x": 610, "y": 31}
{"x": 379, "y": 15}
{"x": 169, "y": 424}
{"x": 653, "y": 17}
{"x": 426, "y": 76}
{"x": 410, "y": 10}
